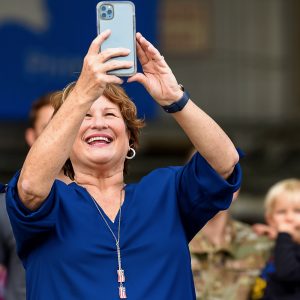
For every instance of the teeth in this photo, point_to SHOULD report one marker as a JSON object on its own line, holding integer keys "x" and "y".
{"x": 98, "y": 138}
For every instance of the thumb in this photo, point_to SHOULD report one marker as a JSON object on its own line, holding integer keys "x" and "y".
{"x": 138, "y": 77}
{"x": 96, "y": 43}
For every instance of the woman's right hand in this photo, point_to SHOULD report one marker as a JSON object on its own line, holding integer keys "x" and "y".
{"x": 93, "y": 78}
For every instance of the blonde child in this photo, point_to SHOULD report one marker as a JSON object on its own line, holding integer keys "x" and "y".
{"x": 280, "y": 279}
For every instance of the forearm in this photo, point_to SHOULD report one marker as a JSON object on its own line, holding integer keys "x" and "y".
{"x": 49, "y": 153}
{"x": 208, "y": 138}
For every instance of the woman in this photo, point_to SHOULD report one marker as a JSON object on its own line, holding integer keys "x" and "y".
{"x": 98, "y": 238}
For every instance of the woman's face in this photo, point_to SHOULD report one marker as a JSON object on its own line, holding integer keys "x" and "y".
{"x": 103, "y": 138}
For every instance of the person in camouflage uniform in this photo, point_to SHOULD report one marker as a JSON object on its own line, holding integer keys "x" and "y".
{"x": 227, "y": 256}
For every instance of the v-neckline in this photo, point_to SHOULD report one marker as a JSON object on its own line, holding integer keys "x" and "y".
{"x": 114, "y": 222}
{"x": 124, "y": 204}
{"x": 107, "y": 218}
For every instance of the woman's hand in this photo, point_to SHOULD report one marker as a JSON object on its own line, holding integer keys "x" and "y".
{"x": 157, "y": 77}
{"x": 93, "y": 78}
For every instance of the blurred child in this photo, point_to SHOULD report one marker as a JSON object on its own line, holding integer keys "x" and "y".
{"x": 280, "y": 279}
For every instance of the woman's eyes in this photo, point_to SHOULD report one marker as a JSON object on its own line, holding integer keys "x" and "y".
{"x": 110, "y": 114}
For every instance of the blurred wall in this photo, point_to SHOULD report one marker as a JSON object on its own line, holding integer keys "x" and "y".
{"x": 240, "y": 60}
{"x": 243, "y": 68}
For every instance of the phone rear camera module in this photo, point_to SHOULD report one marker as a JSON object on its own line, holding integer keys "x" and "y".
{"x": 107, "y": 12}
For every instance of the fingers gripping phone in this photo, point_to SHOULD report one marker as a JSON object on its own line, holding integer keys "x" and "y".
{"x": 119, "y": 17}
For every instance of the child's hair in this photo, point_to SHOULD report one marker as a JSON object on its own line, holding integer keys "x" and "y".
{"x": 288, "y": 187}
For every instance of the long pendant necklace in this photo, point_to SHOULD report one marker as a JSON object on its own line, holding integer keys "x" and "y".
{"x": 120, "y": 271}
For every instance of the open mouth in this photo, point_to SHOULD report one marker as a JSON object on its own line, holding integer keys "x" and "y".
{"x": 98, "y": 140}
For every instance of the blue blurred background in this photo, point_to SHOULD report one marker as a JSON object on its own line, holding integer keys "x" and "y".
{"x": 43, "y": 45}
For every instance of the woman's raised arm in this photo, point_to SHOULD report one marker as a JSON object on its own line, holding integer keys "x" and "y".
{"x": 205, "y": 134}
{"x": 51, "y": 150}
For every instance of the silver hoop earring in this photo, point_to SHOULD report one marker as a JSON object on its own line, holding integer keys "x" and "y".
{"x": 133, "y": 153}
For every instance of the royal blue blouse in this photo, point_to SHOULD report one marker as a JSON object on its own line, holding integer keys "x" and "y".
{"x": 69, "y": 253}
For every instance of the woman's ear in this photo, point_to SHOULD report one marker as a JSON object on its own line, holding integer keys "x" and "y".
{"x": 130, "y": 141}
{"x": 30, "y": 136}
{"x": 129, "y": 135}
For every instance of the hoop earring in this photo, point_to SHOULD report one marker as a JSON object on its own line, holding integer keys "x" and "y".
{"x": 133, "y": 153}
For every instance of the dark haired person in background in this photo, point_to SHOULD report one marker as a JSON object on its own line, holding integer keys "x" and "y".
{"x": 14, "y": 289}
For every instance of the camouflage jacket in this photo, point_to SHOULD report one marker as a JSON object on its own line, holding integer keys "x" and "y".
{"x": 229, "y": 271}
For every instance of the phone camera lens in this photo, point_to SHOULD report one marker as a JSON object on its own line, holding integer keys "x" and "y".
{"x": 103, "y": 15}
{"x": 103, "y": 7}
{"x": 109, "y": 11}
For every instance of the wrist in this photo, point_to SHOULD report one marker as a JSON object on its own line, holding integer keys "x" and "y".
{"x": 179, "y": 104}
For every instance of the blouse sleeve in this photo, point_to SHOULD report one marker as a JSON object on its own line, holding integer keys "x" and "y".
{"x": 202, "y": 192}
{"x": 31, "y": 227}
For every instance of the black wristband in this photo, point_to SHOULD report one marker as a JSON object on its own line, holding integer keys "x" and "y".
{"x": 178, "y": 105}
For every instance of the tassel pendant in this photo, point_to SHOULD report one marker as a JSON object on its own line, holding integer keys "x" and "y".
{"x": 122, "y": 292}
{"x": 121, "y": 276}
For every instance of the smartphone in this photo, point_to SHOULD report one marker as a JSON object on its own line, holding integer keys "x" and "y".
{"x": 119, "y": 17}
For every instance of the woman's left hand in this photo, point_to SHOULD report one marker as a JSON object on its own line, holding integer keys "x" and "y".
{"x": 157, "y": 77}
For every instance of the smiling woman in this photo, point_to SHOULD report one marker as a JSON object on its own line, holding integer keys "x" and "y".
{"x": 119, "y": 106}
{"x": 98, "y": 237}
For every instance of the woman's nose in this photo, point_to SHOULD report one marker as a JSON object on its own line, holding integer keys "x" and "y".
{"x": 99, "y": 122}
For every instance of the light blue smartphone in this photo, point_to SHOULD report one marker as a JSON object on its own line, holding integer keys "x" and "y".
{"x": 119, "y": 17}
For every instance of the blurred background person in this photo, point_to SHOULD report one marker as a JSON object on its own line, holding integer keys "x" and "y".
{"x": 280, "y": 278}
{"x": 227, "y": 256}
{"x": 14, "y": 281}
{"x": 40, "y": 113}
{"x": 2, "y": 268}
{"x": 2, "y": 281}
{"x": 13, "y": 276}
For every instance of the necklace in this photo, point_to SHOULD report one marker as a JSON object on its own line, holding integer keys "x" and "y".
{"x": 120, "y": 271}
